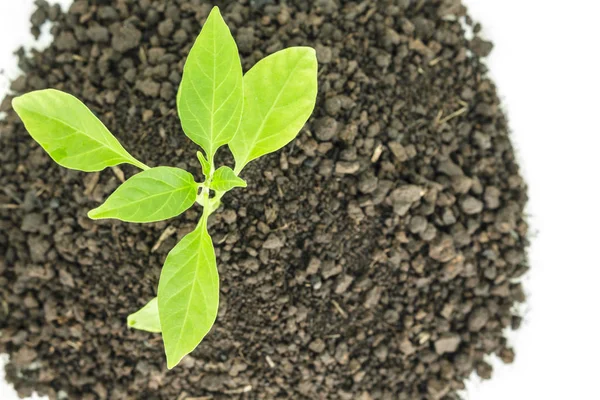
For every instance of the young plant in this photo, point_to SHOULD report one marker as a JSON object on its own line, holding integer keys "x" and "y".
{"x": 253, "y": 114}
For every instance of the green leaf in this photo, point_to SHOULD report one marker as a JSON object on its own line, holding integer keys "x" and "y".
{"x": 204, "y": 163}
{"x": 146, "y": 318}
{"x": 210, "y": 97}
{"x": 279, "y": 96}
{"x": 225, "y": 179}
{"x": 188, "y": 294}
{"x": 69, "y": 132}
{"x": 152, "y": 195}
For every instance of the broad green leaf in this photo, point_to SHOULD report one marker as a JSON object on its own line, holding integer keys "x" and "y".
{"x": 146, "y": 318}
{"x": 152, "y": 195}
{"x": 203, "y": 163}
{"x": 188, "y": 294}
{"x": 210, "y": 97}
{"x": 69, "y": 132}
{"x": 279, "y": 96}
{"x": 225, "y": 179}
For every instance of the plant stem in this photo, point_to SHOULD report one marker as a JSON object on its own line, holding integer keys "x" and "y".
{"x": 139, "y": 164}
{"x": 205, "y": 194}
{"x": 203, "y": 218}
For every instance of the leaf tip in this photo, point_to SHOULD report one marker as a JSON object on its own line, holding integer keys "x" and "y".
{"x": 16, "y": 103}
{"x": 93, "y": 214}
{"x": 172, "y": 362}
{"x": 312, "y": 53}
{"x": 216, "y": 11}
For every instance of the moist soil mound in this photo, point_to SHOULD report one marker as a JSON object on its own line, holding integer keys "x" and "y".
{"x": 376, "y": 257}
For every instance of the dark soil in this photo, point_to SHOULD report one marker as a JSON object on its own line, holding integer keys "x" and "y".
{"x": 376, "y": 257}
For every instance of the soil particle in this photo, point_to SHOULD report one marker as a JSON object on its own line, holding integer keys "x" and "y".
{"x": 318, "y": 346}
{"x": 24, "y": 357}
{"x": 32, "y": 222}
{"x": 98, "y": 34}
{"x": 448, "y": 343}
{"x": 326, "y": 128}
{"x": 507, "y": 355}
{"x": 329, "y": 269}
{"x": 442, "y": 249}
{"x": 367, "y": 183}
{"x": 484, "y": 370}
{"x": 273, "y": 242}
{"x": 403, "y": 198}
{"x": 347, "y": 167}
{"x": 492, "y": 197}
{"x": 407, "y": 347}
{"x": 148, "y": 87}
{"x": 66, "y": 41}
{"x": 37, "y": 19}
{"x": 373, "y": 297}
{"x": 333, "y": 106}
{"x": 478, "y": 319}
{"x": 375, "y": 257}
{"x": 471, "y": 205}
{"x": 229, "y": 216}
{"x": 126, "y": 38}
{"x": 343, "y": 283}
{"x": 407, "y": 194}
{"x": 38, "y": 247}
{"x": 480, "y": 47}
{"x": 324, "y": 54}
{"x": 166, "y": 27}
{"x": 418, "y": 224}
{"x": 313, "y": 266}
{"x": 398, "y": 151}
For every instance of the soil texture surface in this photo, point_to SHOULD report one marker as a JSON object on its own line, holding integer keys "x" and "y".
{"x": 378, "y": 256}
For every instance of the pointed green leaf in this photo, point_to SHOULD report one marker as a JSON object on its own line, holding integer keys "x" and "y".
{"x": 203, "y": 163}
{"x": 69, "y": 132}
{"x": 210, "y": 96}
{"x": 225, "y": 179}
{"x": 279, "y": 96}
{"x": 146, "y": 318}
{"x": 152, "y": 195}
{"x": 188, "y": 294}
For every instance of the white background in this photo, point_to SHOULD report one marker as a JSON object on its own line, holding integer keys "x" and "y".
{"x": 545, "y": 63}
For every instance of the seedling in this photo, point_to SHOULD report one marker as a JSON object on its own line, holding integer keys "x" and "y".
{"x": 253, "y": 114}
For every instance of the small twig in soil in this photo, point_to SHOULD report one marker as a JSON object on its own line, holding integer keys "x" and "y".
{"x": 455, "y": 114}
{"x": 245, "y": 389}
{"x": 377, "y": 153}
{"x": 462, "y": 102}
{"x": 168, "y": 232}
{"x": 13, "y": 196}
{"x": 423, "y": 337}
{"x": 90, "y": 184}
{"x": 282, "y": 227}
{"x": 118, "y": 173}
{"x": 435, "y": 61}
{"x": 339, "y": 309}
{"x": 197, "y": 398}
{"x": 241, "y": 354}
{"x": 270, "y": 362}
{"x": 439, "y": 115}
{"x": 224, "y": 239}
